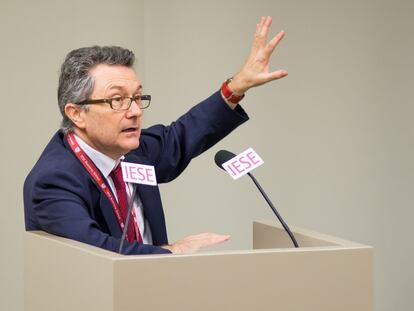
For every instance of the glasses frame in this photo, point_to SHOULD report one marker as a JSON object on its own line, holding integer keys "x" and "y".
{"x": 109, "y": 101}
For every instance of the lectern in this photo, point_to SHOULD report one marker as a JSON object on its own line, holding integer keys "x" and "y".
{"x": 325, "y": 274}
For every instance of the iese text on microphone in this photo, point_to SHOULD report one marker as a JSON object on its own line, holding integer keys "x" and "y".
{"x": 139, "y": 173}
{"x": 243, "y": 163}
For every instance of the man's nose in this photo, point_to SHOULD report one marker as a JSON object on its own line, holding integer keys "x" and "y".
{"x": 134, "y": 109}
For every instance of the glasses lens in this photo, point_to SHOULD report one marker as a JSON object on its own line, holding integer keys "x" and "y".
{"x": 142, "y": 101}
{"x": 118, "y": 103}
{"x": 123, "y": 103}
{"x": 145, "y": 101}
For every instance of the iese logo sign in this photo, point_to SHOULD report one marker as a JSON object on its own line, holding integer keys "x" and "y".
{"x": 243, "y": 163}
{"x": 138, "y": 173}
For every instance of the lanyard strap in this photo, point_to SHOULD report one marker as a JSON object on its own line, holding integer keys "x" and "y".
{"x": 97, "y": 177}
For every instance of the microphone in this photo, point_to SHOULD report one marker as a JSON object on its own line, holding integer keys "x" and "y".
{"x": 222, "y": 157}
{"x": 132, "y": 158}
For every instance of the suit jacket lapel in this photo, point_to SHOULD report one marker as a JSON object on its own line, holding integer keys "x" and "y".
{"x": 153, "y": 212}
{"x": 104, "y": 204}
{"x": 109, "y": 215}
{"x": 152, "y": 207}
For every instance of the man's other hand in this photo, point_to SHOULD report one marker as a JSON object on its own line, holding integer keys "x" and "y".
{"x": 194, "y": 243}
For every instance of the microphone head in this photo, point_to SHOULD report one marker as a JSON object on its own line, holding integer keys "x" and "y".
{"x": 131, "y": 158}
{"x": 223, "y": 156}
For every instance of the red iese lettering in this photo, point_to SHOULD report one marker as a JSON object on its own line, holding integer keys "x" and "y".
{"x": 236, "y": 165}
{"x": 132, "y": 172}
{"x": 229, "y": 167}
{"x": 141, "y": 174}
{"x": 246, "y": 163}
{"x": 149, "y": 175}
{"x": 252, "y": 157}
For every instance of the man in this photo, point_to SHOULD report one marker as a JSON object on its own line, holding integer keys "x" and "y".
{"x": 76, "y": 189}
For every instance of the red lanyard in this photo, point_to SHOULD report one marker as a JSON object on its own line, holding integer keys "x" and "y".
{"x": 97, "y": 177}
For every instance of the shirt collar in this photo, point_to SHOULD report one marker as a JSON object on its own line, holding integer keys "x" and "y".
{"x": 104, "y": 163}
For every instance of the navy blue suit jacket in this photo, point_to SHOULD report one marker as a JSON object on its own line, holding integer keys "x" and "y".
{"x": 61, "y": 198}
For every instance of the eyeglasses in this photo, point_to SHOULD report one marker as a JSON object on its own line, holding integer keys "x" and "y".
{"x": 121, "y": 103}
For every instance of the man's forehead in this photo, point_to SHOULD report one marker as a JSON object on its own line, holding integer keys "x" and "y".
{"x": 117, "y": 84}
{"x": 107, "y": 77}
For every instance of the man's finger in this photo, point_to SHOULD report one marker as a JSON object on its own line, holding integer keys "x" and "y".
{"x": 193, "y": 243}
{"x": 265, "y": 27}
{"x": 262, "y": 30}
{"x": 274, "y": 42}
{"x": 259, "y": 26}
{"x": 218, "y": 238}
{"x": 278, "y": 74}
{"x": 261, "y": 23}
{"x": 211, "y": 238}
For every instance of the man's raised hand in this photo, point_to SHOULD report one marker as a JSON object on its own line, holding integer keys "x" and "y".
{"x": 256, "y": 70}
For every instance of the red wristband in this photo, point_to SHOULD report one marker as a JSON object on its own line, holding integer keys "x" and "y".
{"x": 228, "y": 94}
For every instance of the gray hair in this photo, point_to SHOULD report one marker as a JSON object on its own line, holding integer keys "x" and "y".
{"x": 75, "y": 83}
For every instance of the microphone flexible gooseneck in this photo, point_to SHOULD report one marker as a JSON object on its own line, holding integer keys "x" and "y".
{"x": 131, "y": 203}
{"x": 223, "y": 156}
{"x": 133, "y": 159}
{"x": 284, "y": 224}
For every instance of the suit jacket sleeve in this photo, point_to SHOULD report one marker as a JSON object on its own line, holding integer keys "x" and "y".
{"x": 172, "y": 147}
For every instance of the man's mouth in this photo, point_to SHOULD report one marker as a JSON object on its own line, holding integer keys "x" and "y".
{"x": 130, "y": 129}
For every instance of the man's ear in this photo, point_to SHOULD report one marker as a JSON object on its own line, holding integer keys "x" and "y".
{"x": 76, "y": 114}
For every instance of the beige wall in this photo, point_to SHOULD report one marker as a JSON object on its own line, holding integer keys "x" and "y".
{"x": 336, "y": 135}
{"x": 35, "y": 37}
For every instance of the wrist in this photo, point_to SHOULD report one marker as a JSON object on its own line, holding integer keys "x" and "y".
{"x": 229, "y": 94}
{"x": 237, "y": 85}
{"x": 173, "y": 248}
{"x": 168, "y": 247}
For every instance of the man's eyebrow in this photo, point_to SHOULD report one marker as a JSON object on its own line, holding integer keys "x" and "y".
{"x": 117, "y": 87}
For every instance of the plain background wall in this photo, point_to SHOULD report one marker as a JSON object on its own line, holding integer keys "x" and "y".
{"x": 336, "y": 135}
{"x": 35, "y": 38}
